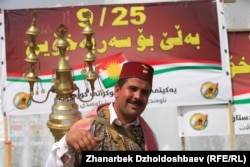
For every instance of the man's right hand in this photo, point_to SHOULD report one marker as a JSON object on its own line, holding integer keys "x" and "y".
{"x": 82, "y": 140}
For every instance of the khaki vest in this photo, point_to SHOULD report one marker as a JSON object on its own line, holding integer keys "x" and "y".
{"x": 112, "y": 140}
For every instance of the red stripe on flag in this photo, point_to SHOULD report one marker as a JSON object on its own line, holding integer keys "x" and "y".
{"x": 102, "y": 63}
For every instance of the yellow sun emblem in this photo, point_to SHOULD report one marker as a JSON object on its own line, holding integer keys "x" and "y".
{"x": 113, "y": 70}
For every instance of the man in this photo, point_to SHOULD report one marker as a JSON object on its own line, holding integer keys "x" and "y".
{"x": 114, "y": 126}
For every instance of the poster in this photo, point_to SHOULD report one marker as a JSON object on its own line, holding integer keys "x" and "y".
{"x": 190, "y": 67}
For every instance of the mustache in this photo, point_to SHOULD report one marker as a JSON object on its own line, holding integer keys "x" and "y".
{"x": 137, "y": 102}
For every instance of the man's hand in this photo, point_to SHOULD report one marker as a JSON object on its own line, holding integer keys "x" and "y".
{"x": 82, "y": 140}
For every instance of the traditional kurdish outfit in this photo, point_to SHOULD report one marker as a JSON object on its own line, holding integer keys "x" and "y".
{"x": 114, "y": 137}
{"x": 112, "y": 140}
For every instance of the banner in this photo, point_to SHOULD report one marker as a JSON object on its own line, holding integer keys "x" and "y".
{"x": 240, "y": 73}
{"x": 203, "y": 120}
{"x": 181, "y": 40}
{"x": 240, "y": 65}
{"x": 241, "y": 119}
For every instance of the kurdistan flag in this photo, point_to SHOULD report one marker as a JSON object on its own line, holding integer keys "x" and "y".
{"x": 109, "y": 68}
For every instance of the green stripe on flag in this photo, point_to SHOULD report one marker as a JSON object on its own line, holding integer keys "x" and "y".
{"x": 242, "y": 101}
{"x": 108, "y": 82}
{"x": 165, "y": 70}
{"x": 76, "y": 78}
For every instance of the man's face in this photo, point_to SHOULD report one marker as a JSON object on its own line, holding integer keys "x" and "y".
{"x": 131, "y": 99}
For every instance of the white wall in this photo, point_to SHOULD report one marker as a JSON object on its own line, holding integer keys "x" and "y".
{"x": 237, "y": 14}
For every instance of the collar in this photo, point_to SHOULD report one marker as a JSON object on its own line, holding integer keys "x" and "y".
{"x": 114, "y": 118}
